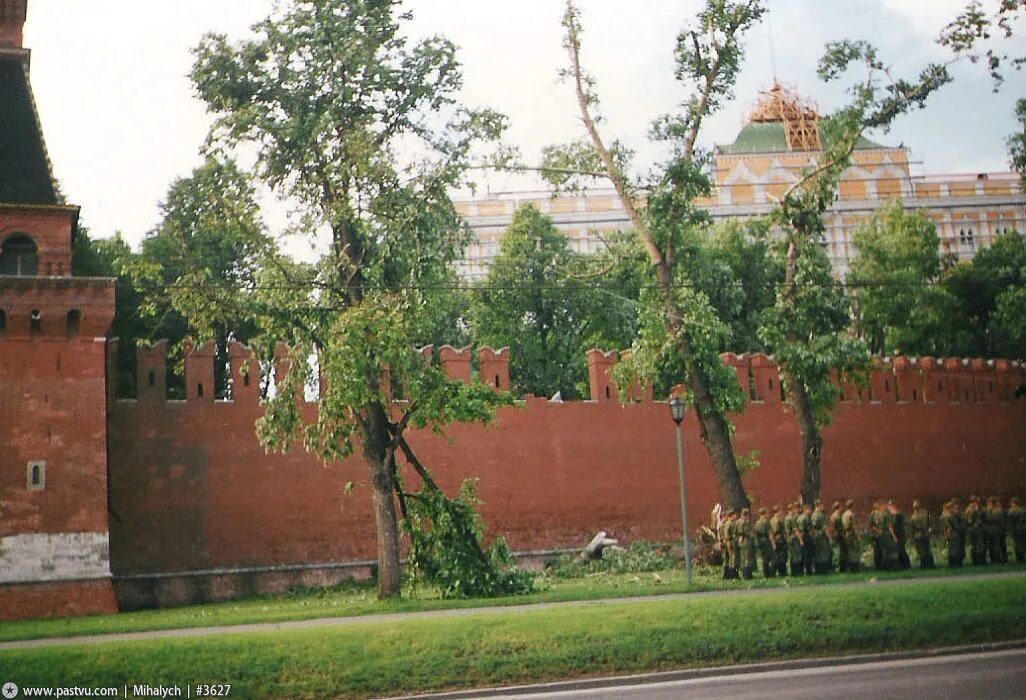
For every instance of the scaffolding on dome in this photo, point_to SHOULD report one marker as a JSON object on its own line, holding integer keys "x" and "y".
{"x": 800, "y": 117}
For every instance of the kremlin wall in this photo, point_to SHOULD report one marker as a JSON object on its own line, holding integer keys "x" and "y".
{"x": 200, "y": 512}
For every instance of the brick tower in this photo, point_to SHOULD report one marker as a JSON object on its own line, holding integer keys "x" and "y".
{"x": 54, "y": 541}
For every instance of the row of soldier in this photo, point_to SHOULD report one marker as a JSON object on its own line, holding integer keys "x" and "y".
{"x": 809, "y": 541}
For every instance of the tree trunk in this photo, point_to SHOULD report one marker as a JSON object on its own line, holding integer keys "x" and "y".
{"x": 812, "y": 441}
{"x": 714, "y": 427}
{"x": 715, "y": 433}
{"x": 375, "y": 452}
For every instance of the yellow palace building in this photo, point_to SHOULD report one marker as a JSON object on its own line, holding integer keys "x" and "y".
{"x": 779, "y": 139}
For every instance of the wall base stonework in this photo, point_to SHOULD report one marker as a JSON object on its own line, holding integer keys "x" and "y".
{"x": 57, "y": 599}
{"x": 141, "y": 591}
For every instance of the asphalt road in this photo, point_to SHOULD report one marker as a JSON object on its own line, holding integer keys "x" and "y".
{"x": 999, "y": 675}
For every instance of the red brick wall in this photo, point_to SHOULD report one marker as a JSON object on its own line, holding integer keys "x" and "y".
{"x": 58, "y": 599}
{"x": 53, "y": 406}
{"x": 191, "y": 488}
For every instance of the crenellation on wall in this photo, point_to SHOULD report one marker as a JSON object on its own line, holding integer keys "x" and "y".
{"x": 456, "y": 362}
{"x": 199, "y": 371}
{"x": 493, "y": 367}
{"x": 245, "y": 373}
{"x": 600, "y": 375}
{"x": 151, "y": 371}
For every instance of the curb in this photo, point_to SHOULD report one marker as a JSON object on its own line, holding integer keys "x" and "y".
{"x": 715, "y": 671}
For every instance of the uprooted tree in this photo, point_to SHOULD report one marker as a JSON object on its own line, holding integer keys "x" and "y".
{"x": 679, "y": 325}
{"x": 324, "y": 99}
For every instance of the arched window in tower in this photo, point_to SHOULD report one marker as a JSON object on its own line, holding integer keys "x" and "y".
{"x": 19, "y": 256}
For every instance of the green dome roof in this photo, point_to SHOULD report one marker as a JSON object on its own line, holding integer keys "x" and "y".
{"x": 769, "y": 137}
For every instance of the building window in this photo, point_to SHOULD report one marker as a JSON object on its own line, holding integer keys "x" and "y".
{"x": 3, "y": 321}
{"x": 36, "y": 322}
{"x": 36, "y": 476}
{"x": 19, "y": 256}
{"x": 965, "y": 237}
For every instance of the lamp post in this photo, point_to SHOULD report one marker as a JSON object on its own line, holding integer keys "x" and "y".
{"x": 677, "y": 413}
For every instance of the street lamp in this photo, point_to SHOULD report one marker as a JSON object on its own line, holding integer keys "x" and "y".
{"x": 677, "y": 413}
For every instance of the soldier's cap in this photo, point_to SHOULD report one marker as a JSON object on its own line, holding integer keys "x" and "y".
{"x": 837, "y": 504}
{"x": 973, "y": 498}
{"x": 745, "y": 511}
{"x": 916, "y": 503}
{"x": 850, "y": 503}
{"x": 763, "y": 510}
{"x": 1014, "y": 500}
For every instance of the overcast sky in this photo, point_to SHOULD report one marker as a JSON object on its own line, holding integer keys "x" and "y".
{"x": 121, "y": 121}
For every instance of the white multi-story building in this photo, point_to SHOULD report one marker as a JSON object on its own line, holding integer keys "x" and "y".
{"x": 779, "y": 140}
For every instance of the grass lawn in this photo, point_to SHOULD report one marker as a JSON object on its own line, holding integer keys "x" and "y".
{"x": 492, "y": 647}
{"x": 353, "y": 599}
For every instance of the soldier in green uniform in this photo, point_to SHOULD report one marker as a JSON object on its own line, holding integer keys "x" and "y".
{"x": 721, "y": 534}
{"x": 1017, "y": 526}
{"x": 954, "y": 533}
{"x": 994, "y": 531}
{"x": 874, "y": 532}
{"x": 821, "y": 553}
{"x": 745, "y": 543}
{"x": 1003, "y": 532}
{"x": 852, "y": 544}
{"x": 974, "y": 531}
{"x": 778, "y": 535}
{"x": 734, "y": 540}
{"x": 899, "y": 534}
{"x": 764, "y": 542}
{"x": 794, "y": 541}
{"x": 836, "y": 532}
{"x": 802, "y": 524}
{"x": 886, "y": 539}
{"x": 919, "y": 526}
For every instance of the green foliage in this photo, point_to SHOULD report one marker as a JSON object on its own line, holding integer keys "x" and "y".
{"x": 571, "y": 167}
{"x": 969, "y": 33}
{"x": 901, "y": 307}
{"x": 992, "y": 280}
{"x": 637, "y": 557}
{"x": 536, "y": 300}
{"x": 112, "y": 257}
{"x": 807, "y": 331}
{"x": 1017, "y": 144}
{"x": 192, "y": 267}
{"x": 708, "y": 56}
{"x": 446, "y": 547}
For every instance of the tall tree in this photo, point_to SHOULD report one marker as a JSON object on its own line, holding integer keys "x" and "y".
{"x": 210, "y": 238}
{"x": 537, "y": 301}
{"x": 678, "y": 323}
{"x": 988, "y": 293}
{"x": 901, "y": 307}
{"x": 328, "y": 94}
{"x": 806, "y": 332}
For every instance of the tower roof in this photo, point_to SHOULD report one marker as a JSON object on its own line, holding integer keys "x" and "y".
{"x": 25, "y": 173}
